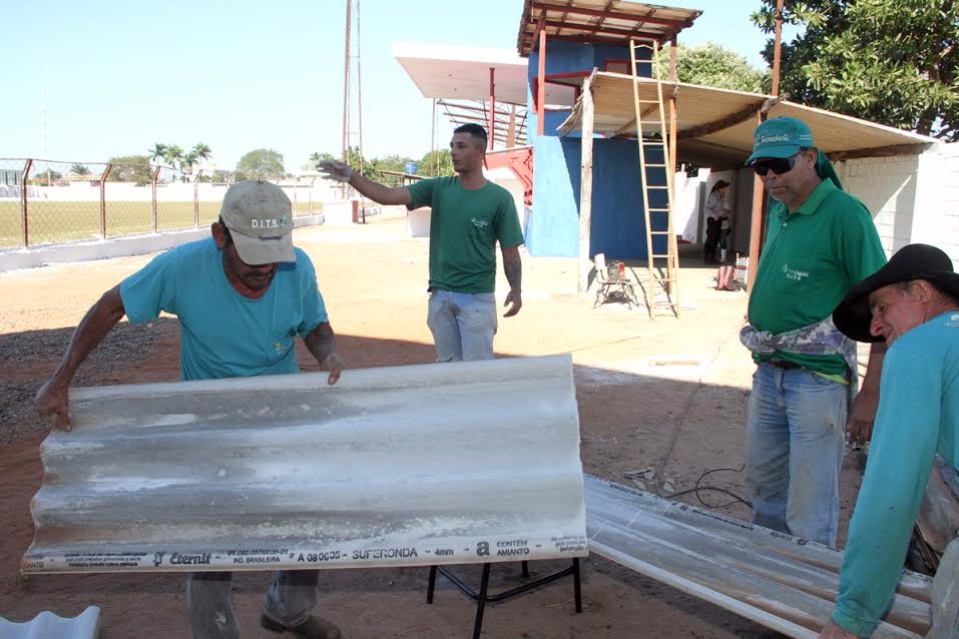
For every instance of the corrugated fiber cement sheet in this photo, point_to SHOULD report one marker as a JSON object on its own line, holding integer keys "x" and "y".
{"x": 415, "y": 465}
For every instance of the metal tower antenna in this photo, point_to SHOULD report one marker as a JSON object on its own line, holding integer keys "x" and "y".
{"x": 352, "y": 85}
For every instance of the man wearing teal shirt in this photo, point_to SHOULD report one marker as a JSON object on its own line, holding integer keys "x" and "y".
{"x": 469, "y": 216}
{"x": 820, "y": 241}
{"x": 912, "y": 304}
{"x": 241, "y": 299}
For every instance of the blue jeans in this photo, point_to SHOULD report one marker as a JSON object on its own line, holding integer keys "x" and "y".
{"x": 795, "y": 439}
{"x": 463, "y": 325}
{"x": 209, "y": 597}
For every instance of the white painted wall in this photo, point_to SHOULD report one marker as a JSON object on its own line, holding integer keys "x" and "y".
{"x": 321, "y": 190}
{"x": 114, "y": 247}
{"x": 937, "y": 203}
{"x": 887, "y": 186}
{"x": 912, "y": 198}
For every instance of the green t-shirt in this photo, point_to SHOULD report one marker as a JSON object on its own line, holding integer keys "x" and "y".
{"x": 810, "y": 259}
{"x": 464, "y": 228}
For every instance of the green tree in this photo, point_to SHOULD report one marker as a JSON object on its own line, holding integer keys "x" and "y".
{"x": 201, "y": 151}
{"x": 713, "y": 65}
{"x": 355, "y": 159}
{"x": 173, "y": 154}
{"x": 79, "y": 169}
{"x": 260, "y": 163}
{"x": 317, "y": 157}
{"x": 392, "y": 163}
{"x": 889, "y": 61}
{"x": 438, "y": 161}
{"x": 158, "y": 152}
{"x": 131, "y": 168}
{"x": 187, "y": 162}
{"x": 46, "y": 176}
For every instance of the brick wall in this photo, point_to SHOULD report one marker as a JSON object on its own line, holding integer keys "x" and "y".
{"x": 887, "y": 186}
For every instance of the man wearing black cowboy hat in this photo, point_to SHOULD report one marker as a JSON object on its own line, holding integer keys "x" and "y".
{"x": 912, "y": 304}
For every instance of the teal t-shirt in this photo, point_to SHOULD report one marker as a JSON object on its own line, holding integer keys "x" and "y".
{"x": 918, "y": 417}
{"x": 222, "y": 333}
{"x": 811, "y": 257}
{"x": 464, "y": 228}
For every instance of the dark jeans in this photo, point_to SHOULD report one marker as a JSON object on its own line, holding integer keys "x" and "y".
{"x": 712, "y": 239}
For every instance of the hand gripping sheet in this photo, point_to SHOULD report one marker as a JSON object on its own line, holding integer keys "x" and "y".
{"x": 413, "y": 465}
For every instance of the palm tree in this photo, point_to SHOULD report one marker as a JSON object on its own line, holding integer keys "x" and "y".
{"x": 158, "y": 152}
{"x": 202, "y": 151}
{"x": 79, "y": 169}
{"x": 187, "y": 162}
{"x": 173, "y": 154}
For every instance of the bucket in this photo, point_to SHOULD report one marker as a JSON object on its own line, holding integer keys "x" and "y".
{"x": 742, "y": 268}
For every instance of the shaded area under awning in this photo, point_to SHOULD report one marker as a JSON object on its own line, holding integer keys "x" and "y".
{"x": 715, "y": 126}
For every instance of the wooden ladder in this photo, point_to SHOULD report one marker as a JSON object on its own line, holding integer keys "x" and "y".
{"x": 653, "y": 140}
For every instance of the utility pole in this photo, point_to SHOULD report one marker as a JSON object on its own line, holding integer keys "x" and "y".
{"x": 352, "y": 85}
{"x": 43, "y": 124}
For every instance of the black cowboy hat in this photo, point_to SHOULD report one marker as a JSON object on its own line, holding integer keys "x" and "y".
{"x": 914, "y": 262}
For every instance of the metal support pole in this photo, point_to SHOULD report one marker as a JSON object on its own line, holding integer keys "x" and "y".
{"x": 756, "y": 221}
{"x": 541, "y": 77}
{"x": 359, "y": 89}
{"x": 492, "y": 107}
{"x": 153, "y": 198}
{"x": 25, "y": 220}
{"x": 777, "y": 46}
{"x": 346, "y": 83}
{"x": 433, "y": 141}
{"x": 196, "y": 200}
{"x": 103, "y": 201}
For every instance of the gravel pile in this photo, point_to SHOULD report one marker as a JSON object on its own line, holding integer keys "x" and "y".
{"x": 30, "y": 358}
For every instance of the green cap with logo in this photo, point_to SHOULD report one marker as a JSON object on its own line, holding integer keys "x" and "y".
{"x": 260, "y": 218}
{"x": 780, "y": 138}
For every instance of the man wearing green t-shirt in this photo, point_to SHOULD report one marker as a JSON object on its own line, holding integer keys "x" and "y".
{"x": 820, "y": 241}
{"x": 469, "y": 216}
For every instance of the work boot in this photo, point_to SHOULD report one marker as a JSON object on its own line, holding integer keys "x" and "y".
{"x": 312, "y": 628}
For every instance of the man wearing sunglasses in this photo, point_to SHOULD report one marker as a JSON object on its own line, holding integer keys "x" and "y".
{"x": 820, "y": 241}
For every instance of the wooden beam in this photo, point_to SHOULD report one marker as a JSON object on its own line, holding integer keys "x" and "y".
{"x": 755, "y": 223}
{"x": 631, "y": 17}
{"x": 878, "y": 152}
{"x": 585, "y": 186}
{"x": 591, "y": 28}
{"x": 626, "y": 128}
{"x": 743, "y": 115}
{"x": 586, "y": 39}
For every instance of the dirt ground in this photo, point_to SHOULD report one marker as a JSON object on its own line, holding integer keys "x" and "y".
{"x": 663, "y": 395}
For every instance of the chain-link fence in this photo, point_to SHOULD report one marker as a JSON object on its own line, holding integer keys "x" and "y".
{"x": 48, "y": 202}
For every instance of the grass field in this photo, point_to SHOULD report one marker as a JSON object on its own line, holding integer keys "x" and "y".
{"x": 56, "y": 222}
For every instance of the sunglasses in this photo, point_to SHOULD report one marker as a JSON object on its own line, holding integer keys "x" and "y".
{"x": 776, "y": 165}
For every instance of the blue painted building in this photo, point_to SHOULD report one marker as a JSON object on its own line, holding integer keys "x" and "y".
{"x": 617, "y": 221}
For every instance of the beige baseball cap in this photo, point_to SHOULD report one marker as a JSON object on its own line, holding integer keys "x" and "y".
{"x": 260, "y": 218}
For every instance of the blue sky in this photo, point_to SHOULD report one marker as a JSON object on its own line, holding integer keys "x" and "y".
{"x": 114, "y": 77}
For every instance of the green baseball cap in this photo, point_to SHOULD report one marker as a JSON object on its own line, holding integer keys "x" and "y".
{"x": 780, "y": 138}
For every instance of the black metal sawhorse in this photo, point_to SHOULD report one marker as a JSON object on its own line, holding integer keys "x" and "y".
{"x": 482, "y": 597}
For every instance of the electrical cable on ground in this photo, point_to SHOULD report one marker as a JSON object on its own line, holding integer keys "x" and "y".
{"x": 675, "y": 437}
{"x": 736, "y": 499}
